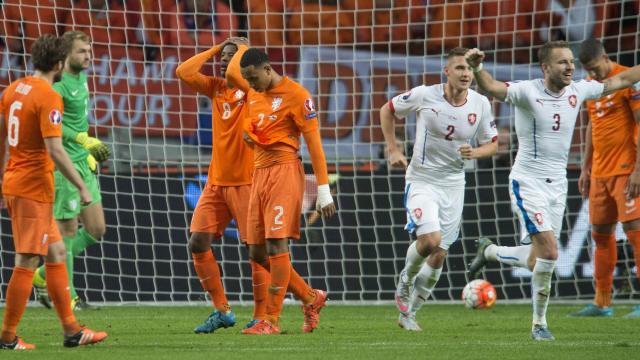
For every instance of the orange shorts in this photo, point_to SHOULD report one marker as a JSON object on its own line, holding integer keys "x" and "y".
{"x": 608, "y": 203}
{"x": 34, "y": 228}
{"x": 218, "y": 205}
{"x": 276, "y": 202}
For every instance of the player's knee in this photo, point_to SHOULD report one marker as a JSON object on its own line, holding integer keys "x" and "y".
{"x": 97, "y": 231}
{"x": 258, "y": 254}
{"x": 199, "y": 242}
{"x": 29, "y": 261}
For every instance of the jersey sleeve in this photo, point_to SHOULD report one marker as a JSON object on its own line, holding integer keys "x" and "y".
{"x": 304, "y": 112}
{"x": 51, "y": 116}
{"x": 634, "y": 96}
{"x": 516, "y": 91}
{"x": 487, "y": 128}
{"x": 590, "y": 89}
{"x": 403, "y": 104}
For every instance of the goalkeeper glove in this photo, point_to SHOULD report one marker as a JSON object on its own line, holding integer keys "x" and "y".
{"x": 93, "y": 164}
{"x": 97, "y": 148}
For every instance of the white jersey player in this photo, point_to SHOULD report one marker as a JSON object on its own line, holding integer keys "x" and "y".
{"x": 546, "y": 111}
{"x": 449, "y": 117}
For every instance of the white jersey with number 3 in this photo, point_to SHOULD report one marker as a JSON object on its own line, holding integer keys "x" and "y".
{"x": 441, "y": 129}
{"x": 544, "y": 124}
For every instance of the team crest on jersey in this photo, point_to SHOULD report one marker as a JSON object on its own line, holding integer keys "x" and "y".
{"x": 277, "y": 101}
{"x": 573, "y": 101}
{"x": 472, "y": 118}
{"x": 239, "y": 94}
{"x": 539, "y": 219}
{"x": 55, "y": 116}
{"x": 417, "y": 213}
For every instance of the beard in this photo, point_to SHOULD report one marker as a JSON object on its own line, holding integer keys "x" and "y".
{"x": 58, "y": 76}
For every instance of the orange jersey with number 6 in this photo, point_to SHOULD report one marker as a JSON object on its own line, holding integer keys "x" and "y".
{"x": 613, "y": 130}
{"x": 32, "y": 111}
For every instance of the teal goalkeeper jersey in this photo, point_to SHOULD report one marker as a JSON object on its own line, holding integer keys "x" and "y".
{"x": 75, "y": 94}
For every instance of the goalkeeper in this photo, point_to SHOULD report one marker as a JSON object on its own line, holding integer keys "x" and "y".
{"x": 85, "y": 152}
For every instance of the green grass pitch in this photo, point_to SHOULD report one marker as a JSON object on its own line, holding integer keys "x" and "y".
{"x": 345, "y": 332}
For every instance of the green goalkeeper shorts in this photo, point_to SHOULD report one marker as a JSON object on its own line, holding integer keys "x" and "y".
{"x": 67, "y": 201}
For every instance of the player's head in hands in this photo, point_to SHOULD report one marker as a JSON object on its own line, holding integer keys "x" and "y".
{"x": 458, "y": 72}
{"x": 228, "y": 50}
{"x": 48, "y": 56}
{"x": 78, "y": 48}
{"x": 257, "y": 70}
{"x": 594, "y": 59}
{"x": 557, "y": 63}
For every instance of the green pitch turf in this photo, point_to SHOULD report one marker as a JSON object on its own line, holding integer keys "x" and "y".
{"x": 345, "y": 332}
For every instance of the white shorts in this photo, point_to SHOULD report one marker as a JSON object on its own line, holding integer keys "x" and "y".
{"x": 539, "y": 204}
{"x": 432, "y": 208}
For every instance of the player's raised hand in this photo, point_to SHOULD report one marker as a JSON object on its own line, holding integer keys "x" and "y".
{"x": 474, "y": 57}
{"x": 397, "y": 159}
{"x": 633, "y": 185}
{"x": 584, "y": 182}
{"x": 467, "y": 152}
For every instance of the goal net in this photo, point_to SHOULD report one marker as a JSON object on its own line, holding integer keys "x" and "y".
{"x": 353, "y": 56}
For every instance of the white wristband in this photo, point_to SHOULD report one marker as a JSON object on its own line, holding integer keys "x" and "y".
{"x": 477, "y": 69}
{"x": 324, "y": 197}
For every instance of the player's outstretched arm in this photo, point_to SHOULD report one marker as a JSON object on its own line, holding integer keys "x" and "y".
{"x": 63, "y": 163}
{"x": 189, "y": 71}
{"x": 233, "y": 74}
{"x": 388, "y": 124}
{"x": 485, "y": 81}
{"x": 324, "y": 203}
{"x": 622, "y": 80}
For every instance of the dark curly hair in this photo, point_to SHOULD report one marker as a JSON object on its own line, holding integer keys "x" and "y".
{"x": 46, "y": 52}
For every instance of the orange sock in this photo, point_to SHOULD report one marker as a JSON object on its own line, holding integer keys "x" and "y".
{"x": 261, "y": 280}
{"x": 300, "y": 288}
{"x": 280, "y": 273}
{"x": 209, "y": 275}
{"x": 606, "y": 256}
{"x": 18, "y": 293}
{"x": 58, "y": 288}
{"x": 634, "y": 240}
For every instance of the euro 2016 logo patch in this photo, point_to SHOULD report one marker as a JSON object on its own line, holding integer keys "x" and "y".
{"x": 472, "y": 118}
{"x": 277, "y": 101}
{"x": 55, "y": 116}
{"x": 539, "y": 219}
{"x": 573, "y": 101}
{"x": 417, "y": 213}
{"x": 310, "y": 109}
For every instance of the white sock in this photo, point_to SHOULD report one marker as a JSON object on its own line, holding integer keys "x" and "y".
{"x": 412, "y": 263}
{"x": 423, "y": 286}
{"x": 541, "y": 289}
{"x": 510, "y": 255}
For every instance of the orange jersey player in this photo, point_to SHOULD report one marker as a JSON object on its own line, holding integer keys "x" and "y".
{"x": 31, "y": 123}
{"x": 279, "y": 111}
{"x": 226, "y": 194}
{"x": 610, "y": 174}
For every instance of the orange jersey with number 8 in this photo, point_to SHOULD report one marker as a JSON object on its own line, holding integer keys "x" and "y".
{"x": 32, "y": 111}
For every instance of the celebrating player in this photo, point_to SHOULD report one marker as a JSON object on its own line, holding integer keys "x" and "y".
{"x": 546, "y": 111}
{"x": 449, "y": 116}
{"x": 84, "y": 152}
{"x": 31, "y": 119}
{"x": 279, "y": 110}
{"x": 610, "y": 174}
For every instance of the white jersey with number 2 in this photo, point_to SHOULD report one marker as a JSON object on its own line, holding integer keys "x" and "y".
{"x": 440, "y": 130}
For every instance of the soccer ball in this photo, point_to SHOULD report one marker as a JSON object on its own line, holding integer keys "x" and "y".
{"x": 479, "y": 294}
